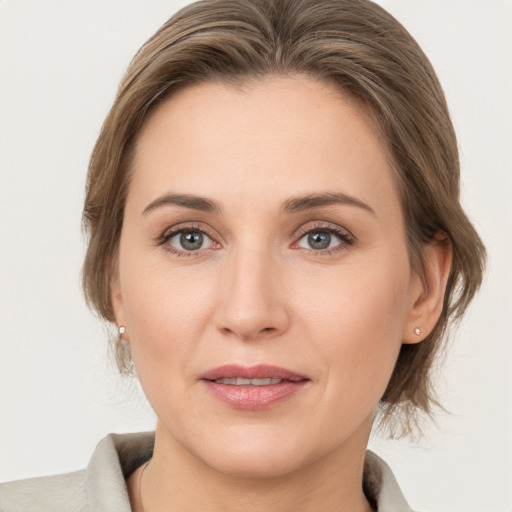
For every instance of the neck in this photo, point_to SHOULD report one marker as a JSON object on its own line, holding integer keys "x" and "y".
{"x": 177, "y": 481}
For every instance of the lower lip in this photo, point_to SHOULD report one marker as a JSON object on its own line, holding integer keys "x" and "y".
{"x": 254, "y": 397}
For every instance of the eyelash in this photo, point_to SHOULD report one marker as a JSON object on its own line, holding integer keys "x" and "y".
{"x": 345, "y": 238}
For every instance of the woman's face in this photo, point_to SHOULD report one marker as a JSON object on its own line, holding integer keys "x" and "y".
{"x": 263, "y": 275}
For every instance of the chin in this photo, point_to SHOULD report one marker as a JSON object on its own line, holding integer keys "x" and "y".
{"x": 256, "y": 464}
{"x": 250, "y": 452}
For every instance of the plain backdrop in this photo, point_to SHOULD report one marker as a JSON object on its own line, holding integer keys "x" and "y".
{"x": 60, "y": 63}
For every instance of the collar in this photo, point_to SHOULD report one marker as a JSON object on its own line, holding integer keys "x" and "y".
{"x": 118, "y": 455}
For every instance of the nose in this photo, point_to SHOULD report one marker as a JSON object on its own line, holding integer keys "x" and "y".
{"x": 252, "y": 301}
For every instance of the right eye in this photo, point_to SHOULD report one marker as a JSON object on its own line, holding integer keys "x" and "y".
{"x": 187, "y": 240}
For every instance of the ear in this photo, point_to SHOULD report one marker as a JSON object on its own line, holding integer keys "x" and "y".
{"x": 116, "y": 299}
{"x": 428, "y": 290}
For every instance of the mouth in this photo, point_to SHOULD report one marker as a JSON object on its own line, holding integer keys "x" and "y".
{"x": 241, "y": 381}
{"x": 253, "y": 388}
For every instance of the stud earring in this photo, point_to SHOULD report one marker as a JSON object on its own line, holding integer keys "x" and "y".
{"x": 121, "y": 329}
{"x": 417, "y": 331}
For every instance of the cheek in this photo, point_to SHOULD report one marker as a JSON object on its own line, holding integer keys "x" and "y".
{"x": 355, "y": 321}
{"x": 166, "y": 310}
{"x": 167, "y": 317}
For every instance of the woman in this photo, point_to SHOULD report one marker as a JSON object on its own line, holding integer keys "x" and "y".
{"x": 275, "y": 230}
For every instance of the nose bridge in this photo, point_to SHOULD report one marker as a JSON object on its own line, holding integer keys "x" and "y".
{"x": 252, "y": 304}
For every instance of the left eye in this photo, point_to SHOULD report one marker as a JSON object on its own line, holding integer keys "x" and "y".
{"x": 319, "y": 240}
{"x": 190, "y": 241}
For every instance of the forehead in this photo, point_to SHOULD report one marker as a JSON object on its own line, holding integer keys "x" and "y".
{"x": 285, "y": 134}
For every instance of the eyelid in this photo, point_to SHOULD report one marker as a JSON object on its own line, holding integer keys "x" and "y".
{"x": 323, "y": 225}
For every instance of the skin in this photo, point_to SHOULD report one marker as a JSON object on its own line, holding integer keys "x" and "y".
{"x": 256, "y": 292}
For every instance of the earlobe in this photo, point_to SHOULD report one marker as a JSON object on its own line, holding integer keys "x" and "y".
{"x": 121, "y": 330}
{"x": 428, "y": 290}
{"x": 116, "y": 299}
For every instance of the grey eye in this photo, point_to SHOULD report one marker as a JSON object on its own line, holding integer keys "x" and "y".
{"x": 319, "y": 240}
{"x": 190, "y": 241}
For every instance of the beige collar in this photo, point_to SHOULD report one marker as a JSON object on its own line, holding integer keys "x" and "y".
{"x": 118, "y": 455}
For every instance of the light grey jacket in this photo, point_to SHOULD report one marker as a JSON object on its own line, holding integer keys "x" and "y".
{"x": 101, "y": 487}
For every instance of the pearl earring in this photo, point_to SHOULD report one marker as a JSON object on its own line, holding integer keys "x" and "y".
{"x": 121, "y": 329}
{"x": 417, "y": 331}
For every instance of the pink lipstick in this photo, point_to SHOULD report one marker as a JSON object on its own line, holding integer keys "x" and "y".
{"x": 255, "y": 387}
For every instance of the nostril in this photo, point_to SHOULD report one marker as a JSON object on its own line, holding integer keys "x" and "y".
{"x": 251, "y": 322}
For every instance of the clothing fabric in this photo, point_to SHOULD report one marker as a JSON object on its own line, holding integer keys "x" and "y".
{"x": 102, "y": 488}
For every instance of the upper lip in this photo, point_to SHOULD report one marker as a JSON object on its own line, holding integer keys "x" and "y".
{"x": 260, "y": 371}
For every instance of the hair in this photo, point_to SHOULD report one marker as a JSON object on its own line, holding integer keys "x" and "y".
{"x": 361, "y": 49}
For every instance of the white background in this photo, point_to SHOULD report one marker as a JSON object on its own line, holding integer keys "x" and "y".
{"x": 60, "y": 63}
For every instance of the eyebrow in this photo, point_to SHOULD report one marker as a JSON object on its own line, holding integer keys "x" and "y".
{"x": 292, "y": 205}
{"x": 310, "y": 201}
{"x": 185, "y": 200}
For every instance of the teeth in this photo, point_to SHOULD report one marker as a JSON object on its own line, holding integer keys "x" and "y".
{"x": 240, "y": 381}
{"x": 264, "y": 382}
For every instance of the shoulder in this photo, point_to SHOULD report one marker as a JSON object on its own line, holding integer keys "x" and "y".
{"x": 381, "y": 485}
{"x": 99, "y": 488}
{"x": 61, "y": 492}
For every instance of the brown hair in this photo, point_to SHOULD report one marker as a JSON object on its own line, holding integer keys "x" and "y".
{"x": 354, "y": 44}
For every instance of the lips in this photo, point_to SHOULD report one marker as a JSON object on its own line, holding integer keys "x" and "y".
{"x": 253, "y": 388}
{"x": 261, "y": 371}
